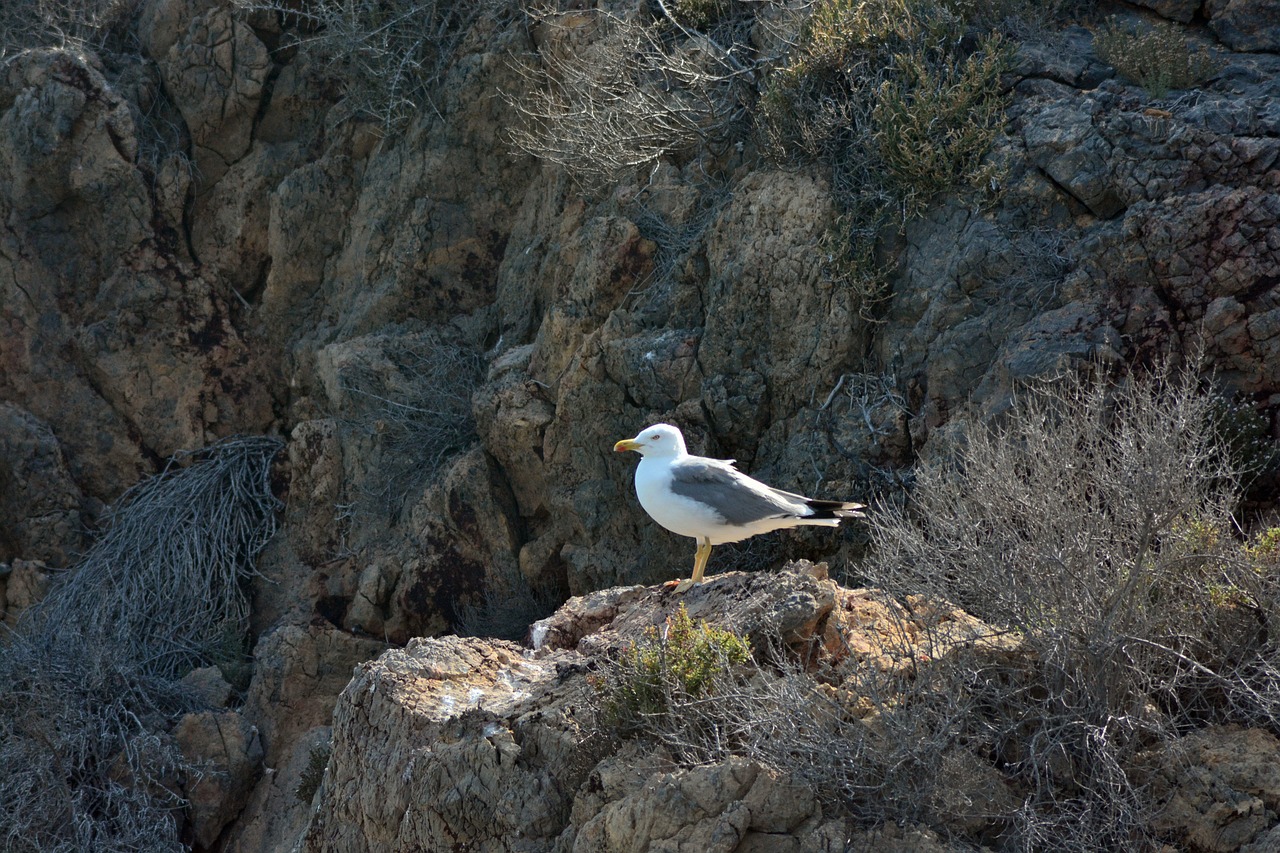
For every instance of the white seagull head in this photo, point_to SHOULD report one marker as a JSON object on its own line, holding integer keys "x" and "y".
{"x": 659, "y": 440}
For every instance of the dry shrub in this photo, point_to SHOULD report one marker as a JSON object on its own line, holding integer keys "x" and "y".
{"x": 72, "y": 24}
{"x": 1157, "y": 58}
{"x": 412, "y": 400}
{"x": 609, "y": 94}
{"x": 1068, "y": 523}
{"x": 388, "y": 56}
{"x": 87, "y": 678}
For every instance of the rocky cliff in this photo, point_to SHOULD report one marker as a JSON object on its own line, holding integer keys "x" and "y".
{"x": 207, "y": 233}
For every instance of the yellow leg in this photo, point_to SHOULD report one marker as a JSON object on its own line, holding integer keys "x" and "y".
{"x": 700, "y": 560}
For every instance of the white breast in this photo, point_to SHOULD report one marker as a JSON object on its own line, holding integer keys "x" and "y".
{"x": 674, "y": 512}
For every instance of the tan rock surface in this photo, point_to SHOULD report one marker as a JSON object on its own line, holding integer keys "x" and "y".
{"x": 1218, "y": 788}
{"x": 452, "y": 743}
{"x": 299, "y": 670}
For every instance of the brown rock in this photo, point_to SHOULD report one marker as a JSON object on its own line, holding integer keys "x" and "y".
{"x": 215, "y": 70}
{"x": 451, "y": 743}
{"x": 298, "y": 673}
{"x": 276, "y": 815}
{"x": 22, "y": 584}
{"x": 1218, "y": 788}
{"x": 207, "y": 686}
{"x": 226, "y": 759}
{"x": 792, "y": 603}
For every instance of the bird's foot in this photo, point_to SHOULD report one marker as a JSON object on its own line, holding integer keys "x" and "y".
{"x": 684, "y": 585}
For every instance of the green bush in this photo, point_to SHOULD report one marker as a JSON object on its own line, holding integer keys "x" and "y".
{"x": 313, "y": 773}
{"x": 935, "y": 122}
{"x": 1157, "y": 58}
{"x": 666, "y": 668}
{"x": 883, "y": 94}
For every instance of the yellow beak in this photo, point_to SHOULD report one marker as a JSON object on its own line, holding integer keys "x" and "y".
{"x": 626, "y": 444}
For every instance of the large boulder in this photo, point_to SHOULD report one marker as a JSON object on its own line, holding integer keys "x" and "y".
{"x": 484, "y": 744}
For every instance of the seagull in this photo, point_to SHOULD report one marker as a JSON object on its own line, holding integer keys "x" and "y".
{"x": 711, "y": 501}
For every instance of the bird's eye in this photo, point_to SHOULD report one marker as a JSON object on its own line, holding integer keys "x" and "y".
{"x": 655, "y": 436}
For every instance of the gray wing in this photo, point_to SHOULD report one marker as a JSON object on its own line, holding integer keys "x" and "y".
{"x": 735, "y": 496}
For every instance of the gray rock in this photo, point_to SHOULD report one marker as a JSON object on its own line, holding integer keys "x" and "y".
{"x": 40, "y": 517}
{"x": 1063, "y": 141}
{"x": 1246, "y": 24}
{"x": 1175, "y": 10}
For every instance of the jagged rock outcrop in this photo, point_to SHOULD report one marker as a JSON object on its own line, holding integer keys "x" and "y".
{"x": 298, "y": 673}
{"x": 226, "y": 751}
{"x": 492, "y": 746}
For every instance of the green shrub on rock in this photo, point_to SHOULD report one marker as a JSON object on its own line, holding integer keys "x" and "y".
{"x": 665, "y": 668}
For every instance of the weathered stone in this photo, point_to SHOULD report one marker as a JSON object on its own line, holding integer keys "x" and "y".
{"x": 277, "y": 814}
{"x": 1218, "y": 788}
{"x": 227, "y": 758}
{"x": 207, "y": 686}
{"x": 1176, "y": 10}
{"x": 791, "y": 604}
{"x": 1064, "y": 142}
{"x": 40, "y": 515}
{"x": 298, "y": 673}
{"x": 1245, "y": 24}
{"x": 451, "y": 743}
{"x": 216, "y": 70}
{"x": 23, "y": 584}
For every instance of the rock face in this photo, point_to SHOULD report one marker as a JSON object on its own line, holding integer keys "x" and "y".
{"x": 1219, "y": 789}
{"x": 487, "y": 745}
{"x": 195, "y": 243}
{"x": 227, "y": 751}
{"x": 464, "y": 742}
{"x": 197, "y": 252}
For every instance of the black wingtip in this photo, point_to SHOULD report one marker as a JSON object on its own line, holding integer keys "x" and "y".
{"x": 835, "y": 509}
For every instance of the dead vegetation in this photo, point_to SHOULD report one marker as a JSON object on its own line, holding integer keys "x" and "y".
{"x": 412, "y": 402}
{"x": 73, "y": 24}
{"x": 388, "y": 56}
{"x": 608, "y": 94}
{"x": 88, "y": 677}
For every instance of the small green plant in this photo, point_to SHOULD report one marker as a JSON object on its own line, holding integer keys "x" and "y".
{"x": 882, "y": 93}
{"x": 935, "y": 122}
{"x": 1158, "y": 58}
{"x": 313, "y": 773}
{"x": 1264, "y": 550}
{"x": 682, "y": 661}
